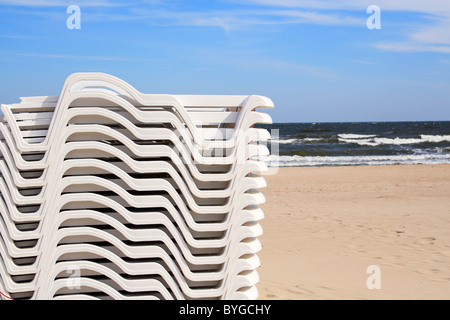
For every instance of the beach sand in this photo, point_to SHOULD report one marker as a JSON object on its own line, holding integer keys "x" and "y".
{"x": 325, "y": 226}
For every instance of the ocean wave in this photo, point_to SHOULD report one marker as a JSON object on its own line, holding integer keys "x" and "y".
{"x": 361, "y": 142}
{"x": 374, "y": 142}
{"x": 356, "y": 136}
{"x": 284, "y": 141}
{"x": 436, "y": 139}
{"x": 299, "y": 161}
{"x": 296, "y": 141}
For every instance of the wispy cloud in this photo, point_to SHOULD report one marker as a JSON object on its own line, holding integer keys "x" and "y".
{"x": 60, "y": 3}
{"x": 71, "y": 57}
{"x": 20, "y": 37}
{"x": 432, "y": 36}
{"x": 240, "y": 20}
{"x": 429, "y": 6}
{"x": 319, "y": 18}
{"x": 438, "y": 33}
{"x": 237, "y": 19}
{"x": 363, "y": 62}
{"x": 428, "y": 33}
{"x": 411, "y": 47}
{"x": 168, "y": 13}
{"x": 284, "y": 66}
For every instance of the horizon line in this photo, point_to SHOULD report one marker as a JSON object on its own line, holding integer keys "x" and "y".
{"x": 365, "y": 121}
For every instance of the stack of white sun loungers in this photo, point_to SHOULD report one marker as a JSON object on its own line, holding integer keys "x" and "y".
{"x": 108, "y": 193}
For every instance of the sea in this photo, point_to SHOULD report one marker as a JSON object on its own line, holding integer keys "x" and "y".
{"x": 358, "y": 144}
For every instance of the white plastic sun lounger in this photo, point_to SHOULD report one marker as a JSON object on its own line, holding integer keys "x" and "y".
{"x": 144, "y": 196}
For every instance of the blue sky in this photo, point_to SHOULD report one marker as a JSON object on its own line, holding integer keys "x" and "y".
{"x": 316, "y": 59}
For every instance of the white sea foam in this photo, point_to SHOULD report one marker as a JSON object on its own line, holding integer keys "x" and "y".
{"x": 373, "y": 142}
{"x": 299, "y": 161}
{"x": 284, "y": 141}
{"x": 312, "y": 139}
{"x": 398, "y": 141}
{"x": 370, "y": 140}
{"x": 361, "y": 142}
{"x": 356, "y": 136}
{"x": 436, "y": 139}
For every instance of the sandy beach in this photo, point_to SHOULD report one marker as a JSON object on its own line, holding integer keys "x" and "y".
{"x": 325, "y": 226}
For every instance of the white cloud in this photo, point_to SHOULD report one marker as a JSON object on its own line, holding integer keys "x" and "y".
{"x": 429, "y": 6}
{"x": 314, "y": 17}
{"x": 411, "y": 47}
{"x": 284, "y": 66}
{"x": 433, "y": 35}
{"x": 238, "y": 19}
{"x": 72, "y": 57}
{"x": 20, "y": 37}
{"x": 235, "y": 19}
{"x": 429, "y": 34}
{"x": 58, "y": 3}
